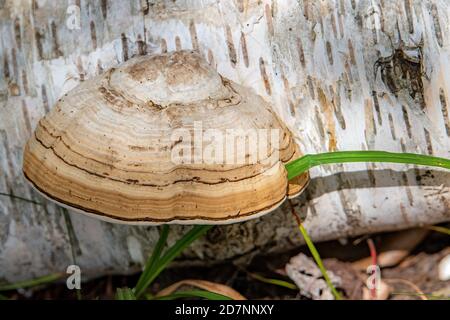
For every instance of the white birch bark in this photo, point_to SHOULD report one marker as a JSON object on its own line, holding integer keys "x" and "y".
{"x": 313, "y": 60}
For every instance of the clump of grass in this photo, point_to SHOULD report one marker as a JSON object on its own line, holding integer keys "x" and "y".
{"x": 157, "y": 263}
{"x": 31, "y": 283}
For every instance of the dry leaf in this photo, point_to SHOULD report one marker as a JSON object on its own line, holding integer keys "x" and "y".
{"x": 394, "y": 248}
{"x": 205, "y": 285}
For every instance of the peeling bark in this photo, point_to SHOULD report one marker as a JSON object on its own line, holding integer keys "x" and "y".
{"x": 314, "y": 61}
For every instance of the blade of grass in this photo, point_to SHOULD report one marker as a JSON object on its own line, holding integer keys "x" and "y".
{"x": 194, "y": 293}
{"x": 193, "y": 234}
{"x": 125, "y": 294}
{"x": 297, "y": 167}
{"x": 439, "y": 229}
{"x": 318, "y": 260}
{"x": 31, "y": 283}
{"x": 151, "y": 262}
{"x": 12, "y": 196}
{"x": 277, "y": 282}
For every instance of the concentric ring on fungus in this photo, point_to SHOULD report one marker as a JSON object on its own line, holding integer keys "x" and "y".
{"x": 106, "y": 149}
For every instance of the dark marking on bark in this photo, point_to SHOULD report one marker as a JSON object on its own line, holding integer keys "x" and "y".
{"x": 306, "y": 6}
{"x": 34, "y": 5}
{"x": 437, "y": 25}
{"x": 341, "y": 6}
{"x": 359, "y": 21}
{"x": 25, "y": 82}
{"x": 178, "y": 46}
{"x": 371, "y": 126}
{"x": 329, "y": 53}
{"x": 99, "y": 67}
{"x": 341, "y": 25}
{"x": 14, "y": 63}
{"x": 6, "y": 147}
{"x": 333, "y": 25}
{"x": 311, "y": 87}
{"x": 353, "y": 3}
{"x": 17, "y": 33}
{"x": 351, "y": 52}
{"x": 38, "y": 36}
{"x": 240, "y": 5}
{"x": 244, "y": 50}
{"x": 141, "y": 45}
{"x": 348, "y": 71}
{"x": 211, "y": 58}
{"x": 288, "y": 93}
{"x": 301, "y": 52}
{"x": 337, "y": 108}
{"x": 6, "y": 72}
{"x": 231, "y": 49}
{"x": 269, "y": 19}
{"x": 104, "y": 8}
{"x": 320, "y": 125}
{"x": 262, "y": 69}
{"x": 444, "y": 109}
{"x": 382, "y": 18}
{"x": 56, "y": 51}
{"x": 428, "y": 140}
{"x": 80, "y": 69}
{"x": 93, "y": 35}
{"x": 407, "y": 123}
{"x": 327, "y": 109}
{"x": 124, "y": 47}
{"x": 45, "y": 99}
{"x": 409, "y": 16}
{"x": 145, "y": 7}
{"x": 347, "y": 86}
{"x": 26, "y": 118}
{"x": 163, "y": 45}
{"x": 194, "y": 37}
{"x": 391, "y": 126}
{"x": 406, "y": 183}
{"x": 376, "y": 103}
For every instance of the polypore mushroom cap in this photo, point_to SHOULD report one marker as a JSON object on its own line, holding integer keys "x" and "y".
{"x": 124, "y": 146}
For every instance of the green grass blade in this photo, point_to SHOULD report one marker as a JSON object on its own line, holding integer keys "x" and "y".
{"x": 12, "y": 196}
{"x": 319, "y": 263}
{"x": 31, "y": 283}
{"x": 297, "y": 167}
{"x": 151, "y": 262}
{"x": 193, "y": 234}
{"x": 277, "y": 282}
{"x": 125, "y": 294}
{"x": 194, "y": 293}
{"x": 439, "y": 229}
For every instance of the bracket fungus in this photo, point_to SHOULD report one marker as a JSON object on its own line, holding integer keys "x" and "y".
{"x": 148, "y": 142}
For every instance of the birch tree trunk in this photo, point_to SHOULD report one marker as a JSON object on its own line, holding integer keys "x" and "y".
{"x": 343, "y": 74}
